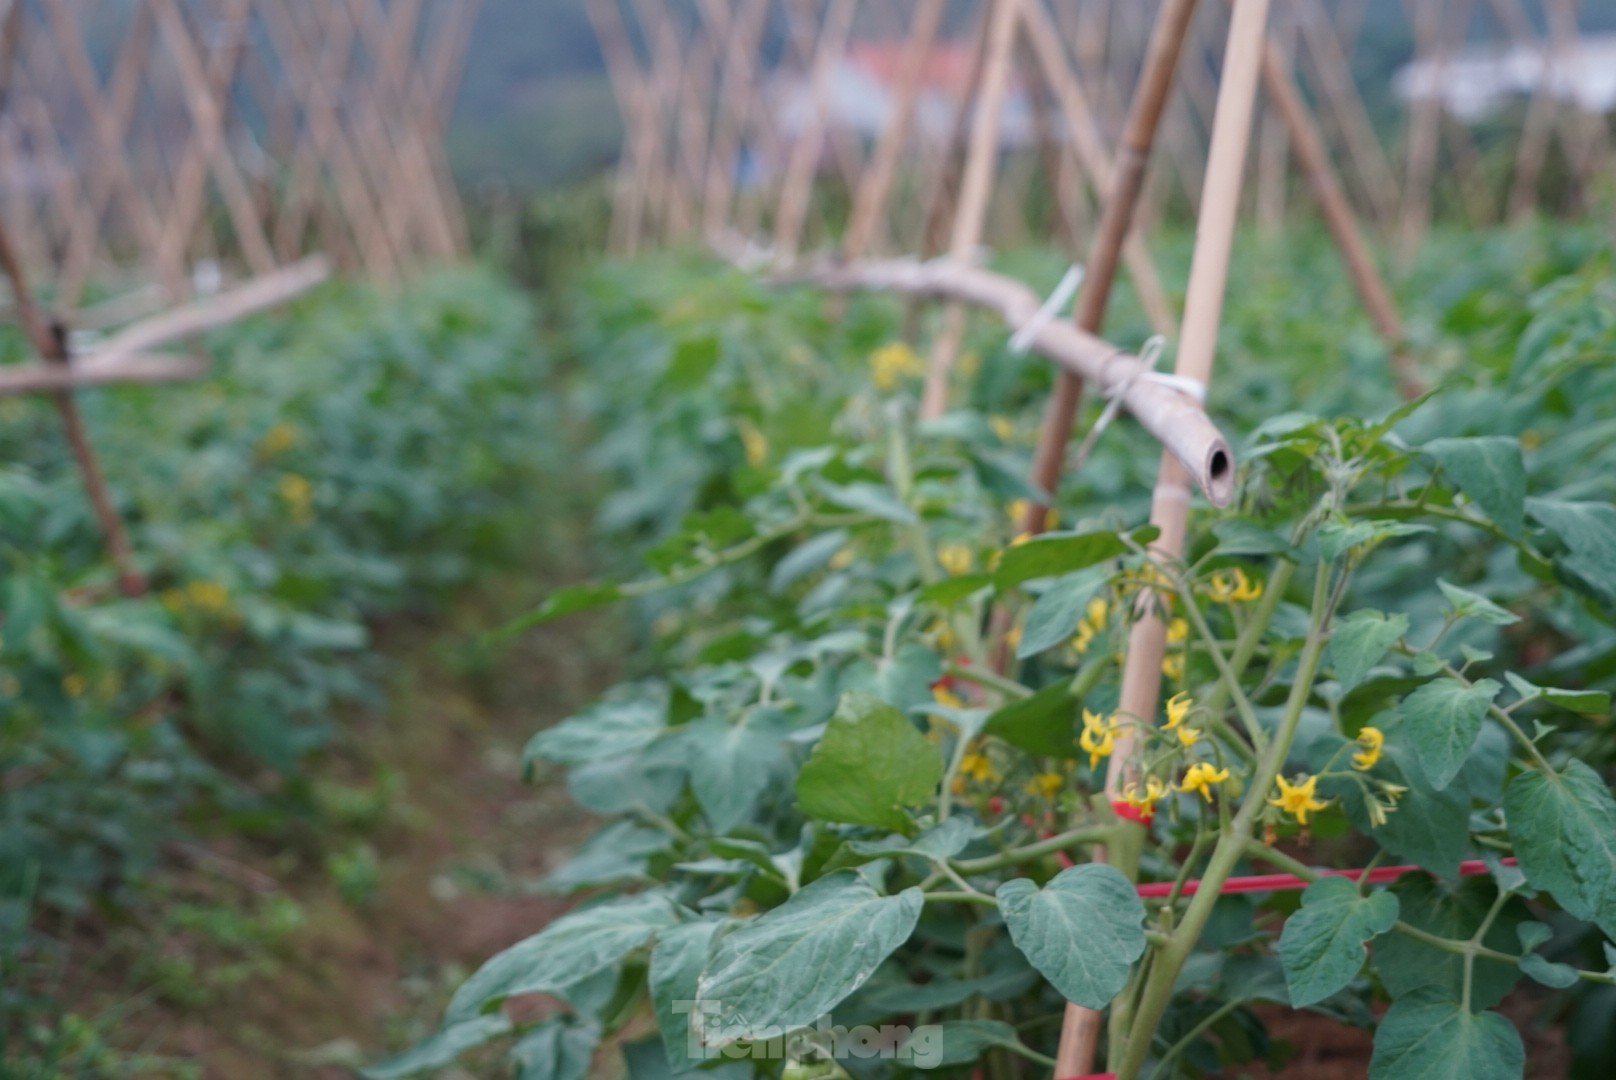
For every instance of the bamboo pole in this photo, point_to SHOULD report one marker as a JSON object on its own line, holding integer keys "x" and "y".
{"x": 736, "y": 104}
{"x": 1332, "y": 70}
{"x": 1089, "y": 149}
{"x": 622, "y": 72}
{"x": 975, "y": 187}
{"x": 1174, "y": 419}
{"x": 1315, "y": 161}
{"x": 1126, "y": 185}
{"x": 870, "y": 200}
{"x": 49, "y": 339}
{"x": 1203, "y": 312}
{"x": 1425, "y": 128}
{"x": 791, "y": 214}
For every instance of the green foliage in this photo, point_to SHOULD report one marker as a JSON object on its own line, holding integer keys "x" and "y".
{"x": 862, "y": 757}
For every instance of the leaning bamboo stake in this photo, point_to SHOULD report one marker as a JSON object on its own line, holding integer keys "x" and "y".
{"x": 1425, "y": 129}
{"x": 1173, "y": 418}
{"x": 975, "y": 186}
{"x": 49, "y": 339}
{"x": 1315, "y": 161}
{"x": 870, "y": 200}
{"x": 736, "y": 101}
{"x": 792, "y": 213}
{"x": 1126, "y": 185}
{"x": 1083, "y": 134}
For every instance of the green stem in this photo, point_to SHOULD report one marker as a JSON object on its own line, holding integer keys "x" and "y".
{"x": 1088, "y": 834}
{"x": 1163, "y": 1066}
{"x": 981, "y": 899}
{"x": 1231, "y": 845}
{"x": 981, "y": 676}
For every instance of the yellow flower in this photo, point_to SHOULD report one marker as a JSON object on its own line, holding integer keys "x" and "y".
{"x": 891, "y": 363}
{"x": 298, "y": 495}
{"x": 1188, "y": 736}
{"x": 1178, "y": 707}
{"x": 1173, "y": 667}
{"x": 1022, "y": 507}
{"x": 1372, "y": 739}
{"x": 1233, "y": 587}
{"x": 1003, "y": 427}
{"x": 1084, "y": 637}
{"x": 1178, "y": 632}
{"x": 955, "y": 559}
{"x": 1200, "y": 779}
{"x": 1099, "y": 737}
{"x": 1048, "y": 785}
{"x": 1012, "y": 638}
{"x": 946, "y": 697}
{"x": 978, "y": 767}
{"x": 208, "y": 597}
{"x": 754, "y": 442}
{"x": 278, "y": 439}
{"x": 74, "y": 685}
{"x": 842, "y": 559}
{"x": 1144, "y": 800}
{"x": 1299, "y": 799}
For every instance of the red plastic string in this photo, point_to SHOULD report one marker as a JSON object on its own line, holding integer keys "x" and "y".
{"x": 1282, "y": 882}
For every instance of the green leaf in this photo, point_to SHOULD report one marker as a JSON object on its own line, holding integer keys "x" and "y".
{"x": 1588, "y": 531}
{"x": 1054, "y": 554}
{"x": 1359, "y": 641}
{"x": 1563, "y": 827}
{"x": 1473, "y": 605}
{"x": 952, "y": 590}
{"x": 1442, "y": 719}
{"x": 792, "y": 965}
{"x": 441, "y": 1048}
{"x": 942, "y": 841}
{"x": 1322, "y": 946}
{"x": 1336, "y": 539}
{"x": 868, "y": 498}
{"x": 1585, "y": 702}
{"x": 557, "y": 1049}
{"x": 1490, "y": 471}
{"x": 963, "y": 1041}
{"x": 1407, "y": 966}
{"x": 571, "y": 949}
{"x": 806, "y": 558}
{"x": 1082, "y": 931}
{"x": 677, "y": 961}
{"x": 1547, "y": 973}
{"x": 870, "y": 765}
{"x": 1054, "y": 617}
{"x": 732, "y": 764}
{"x": 1043, "y": 724}
{"x": 1428, "y": 1037}
{"x": 570, "y": 601}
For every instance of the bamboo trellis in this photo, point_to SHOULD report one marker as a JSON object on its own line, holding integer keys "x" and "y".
{"x": 703, "y": 90}
{"x": 146, "y": 138}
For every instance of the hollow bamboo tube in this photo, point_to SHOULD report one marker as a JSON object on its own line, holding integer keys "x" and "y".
{"x": 1315, "y": 161}
{"x": 1172, "y": 417}
{"x": 975, "y": 186}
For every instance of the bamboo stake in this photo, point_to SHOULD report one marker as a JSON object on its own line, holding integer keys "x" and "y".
{"x": 1203, "y": 312}
{"x": 1315, "y": 161}
{"x": 944, "y": 192}
{"x": 622, "y": 71}
{"x": 876, "y": 185}
{"x": 1377, "y": 180}
{"x": 792, "y": 211}
{"x": 1173, "y": 418}
{"x": 1126, "y": 184}
{"x": 1424, "y": 133}
{"x": 49, "y": 339}
{"x": 737, "y": 102}
{"x": 975, "y": 186}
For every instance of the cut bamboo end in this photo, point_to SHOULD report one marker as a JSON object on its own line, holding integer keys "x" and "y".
{"x": 1174, "y": 418}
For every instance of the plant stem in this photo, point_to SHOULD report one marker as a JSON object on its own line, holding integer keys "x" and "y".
{"x": 1088, "y": 834}
{"x": 1231, "y": 845}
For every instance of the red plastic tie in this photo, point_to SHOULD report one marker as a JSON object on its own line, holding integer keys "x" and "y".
{"x": 1283, "y": 882}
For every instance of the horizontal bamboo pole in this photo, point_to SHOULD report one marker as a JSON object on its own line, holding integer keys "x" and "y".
{"x": 124, "y": 368}
{"x": 1173, "y": 417}
{"x": 187, "y": 320}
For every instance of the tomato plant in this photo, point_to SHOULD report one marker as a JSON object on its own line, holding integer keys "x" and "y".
{"x": 830, "y": 798}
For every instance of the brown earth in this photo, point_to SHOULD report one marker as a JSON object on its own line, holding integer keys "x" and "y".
{"x": 452, "y": 837}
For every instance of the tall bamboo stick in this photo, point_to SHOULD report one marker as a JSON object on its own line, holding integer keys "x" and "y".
{"x": 876, "y": 185}
{"x": 792, "y": 213}
{"x": 1315, "y": 161}
{"x": 975, "y": 186}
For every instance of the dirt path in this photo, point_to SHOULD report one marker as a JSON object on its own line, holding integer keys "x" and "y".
{"x": 311, "y": 962}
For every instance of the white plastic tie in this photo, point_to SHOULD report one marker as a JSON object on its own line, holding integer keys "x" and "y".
{"x": 1150, "y": 354}
{"x": 1065, "y": 289}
